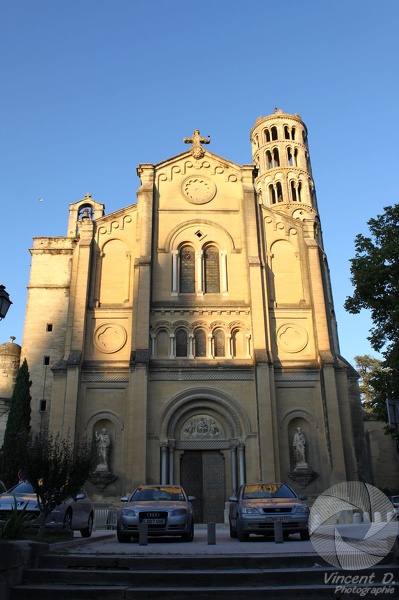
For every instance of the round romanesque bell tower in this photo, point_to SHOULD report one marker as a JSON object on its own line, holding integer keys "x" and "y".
{"x": 281, "y": 155}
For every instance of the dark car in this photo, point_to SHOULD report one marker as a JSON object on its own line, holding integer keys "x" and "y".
{"x": 75, "y": 513}
{"x": 165, "y": 509}
{"x": 257, "y": 506}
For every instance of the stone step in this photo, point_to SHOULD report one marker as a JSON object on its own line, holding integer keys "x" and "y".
{"x": 189, "y": 577}
{"x": 116, "y": 592}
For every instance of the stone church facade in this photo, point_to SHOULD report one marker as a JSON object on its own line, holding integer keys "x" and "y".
{"x": 197, "y": 328}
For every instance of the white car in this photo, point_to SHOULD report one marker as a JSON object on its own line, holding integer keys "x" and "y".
{"x": 76, "y": 514}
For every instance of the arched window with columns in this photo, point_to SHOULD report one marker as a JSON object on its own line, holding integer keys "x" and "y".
{"x": 219, "y": 343}
{"x": 200, "y": 342}
{"x": 211, "y": 270}
{"x": 181, "y": 342}
{"x": 187, "y": 270}
{"x": 162, "y": 344}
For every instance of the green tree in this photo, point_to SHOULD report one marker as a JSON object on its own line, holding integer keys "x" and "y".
{"x": 367, "y": 366}
{"x": 18, "y": 427}
{"x": 57, "y": 469}
{"x": 375, "y": 277}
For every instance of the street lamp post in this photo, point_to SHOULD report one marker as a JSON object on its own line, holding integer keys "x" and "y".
{"x": 5, "y": 302}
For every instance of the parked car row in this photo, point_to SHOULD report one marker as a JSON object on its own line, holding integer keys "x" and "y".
{"x": 166, "y": 510}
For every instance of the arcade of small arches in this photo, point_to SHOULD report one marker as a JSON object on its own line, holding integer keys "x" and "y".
{"x": 200, "y": 340}
{"x": 271, "y": 134}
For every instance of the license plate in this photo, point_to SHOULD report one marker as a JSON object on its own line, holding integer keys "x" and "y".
{"x": 154, "y": 521}
{"x": 276, "y": 519}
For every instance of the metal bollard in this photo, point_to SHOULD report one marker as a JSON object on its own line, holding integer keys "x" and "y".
{"x": 278, "y": 532}
{"x": 143, "y": 534}
{"x": 211, "y": 534}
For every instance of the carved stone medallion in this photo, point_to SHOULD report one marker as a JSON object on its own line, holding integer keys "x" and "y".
{"x": 198, "y": 189}
{"x": 292, "y": 337}
{"x": 110, "y": 337}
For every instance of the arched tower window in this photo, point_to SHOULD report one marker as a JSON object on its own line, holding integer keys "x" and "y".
{"x": 296, "y": 157}
{"x": 286, "y": 133}
{"x": 187, "y": 270}
{"x": 299, "y": 191}
{"x": 219, "y": 343}
{"x": 269, "y": 161}
{"x": 293, "y": 132}
{"x": 267, "y": 135}
{"x": 293, "y": 191}
{"x": 200, "y": 343}
{"x": 181, "y": 342}
{"x": 279, "y": 191}
{"x": 211, "y": 270}
{"x": 274, "y": 133}
{"x": 276, "y": 158}
{"x": 272, "y": 194}
{"x": 290, "y": 158}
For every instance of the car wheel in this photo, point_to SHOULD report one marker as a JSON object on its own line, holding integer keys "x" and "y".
{"x": 242, "y": 537}
{"x": 305, "y": 535}
{"x": 67, "y": 524}
{"x": 188, "y": 537}
{"x": 87, "y": 531}
{"x": 123, "y": 538}
{"x": 233, "y": 533}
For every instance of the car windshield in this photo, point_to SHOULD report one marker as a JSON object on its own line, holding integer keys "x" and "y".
{"x": 267, "y": 490}
{"x": 22, "y": 488}
{"x": 157, "y": 493}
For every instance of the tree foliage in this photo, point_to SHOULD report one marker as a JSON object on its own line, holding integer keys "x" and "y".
{"x": 18, "y": 427}
{"x": 375, "y": 277}
{"x": 57, "y": 468}
{"x": 367, "y": 366}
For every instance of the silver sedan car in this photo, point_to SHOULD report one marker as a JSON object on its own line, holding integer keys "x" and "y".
{"x": 257, "y": 506}
{"x": 165, "y": 509}
{"x": 75, "y": 513}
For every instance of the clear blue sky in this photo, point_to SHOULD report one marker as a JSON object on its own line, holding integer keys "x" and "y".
{"x": 93, "y": 88}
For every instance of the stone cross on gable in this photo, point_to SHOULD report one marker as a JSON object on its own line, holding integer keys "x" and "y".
{"x": 196, "y": 140}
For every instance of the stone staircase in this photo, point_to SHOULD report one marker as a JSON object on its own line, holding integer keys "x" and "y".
{"x": 103, "y": 577}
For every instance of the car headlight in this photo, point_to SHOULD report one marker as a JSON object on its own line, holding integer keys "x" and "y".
{"x": 302, "y": 509}
{"x": 250, "y": 511}
{"x": 128, "y": 512}
{"x": 178, "y": 512}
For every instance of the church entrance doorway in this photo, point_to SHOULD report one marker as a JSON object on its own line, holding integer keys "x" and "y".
{"x": 202, "y": 474}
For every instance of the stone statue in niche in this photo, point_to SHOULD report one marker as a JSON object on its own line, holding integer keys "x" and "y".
{"x": 299, "y": 444}
{"x": 302, "y": 474}
{"x": 103, "y": 444}
{"x": 102, "y": 476}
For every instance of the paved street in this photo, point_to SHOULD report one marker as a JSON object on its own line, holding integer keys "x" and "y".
{"x": 105, "y": 542}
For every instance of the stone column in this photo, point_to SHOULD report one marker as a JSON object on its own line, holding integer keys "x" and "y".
{"x": 233, "y": 452}
{"x": 200, "y": 289}
{"x": 241, "y": 464}
{"x": 171, "y": 462}
{"x": 164, "y": 463}
{"x": 175, "y": 256}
